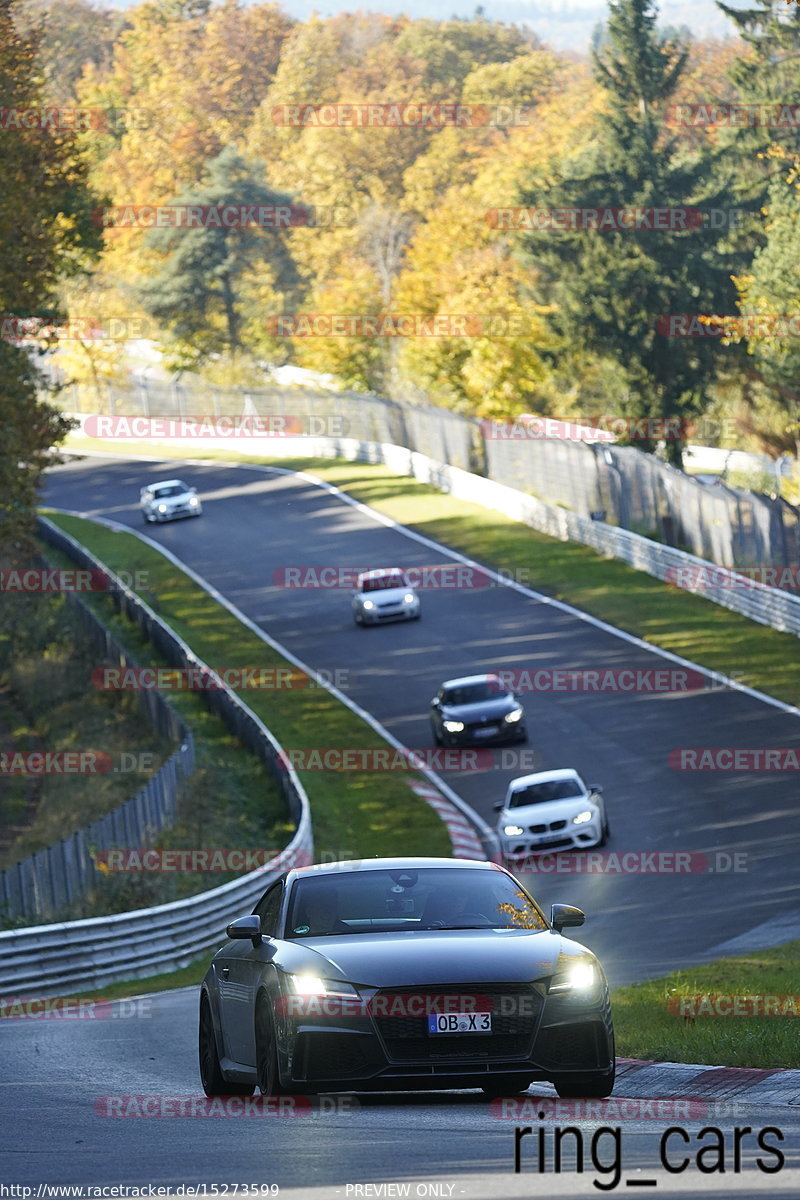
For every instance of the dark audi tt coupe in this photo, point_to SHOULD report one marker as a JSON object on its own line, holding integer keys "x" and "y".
{"x": 404, "y": 973}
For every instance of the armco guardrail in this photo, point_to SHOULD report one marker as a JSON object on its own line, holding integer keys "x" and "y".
{"x": 81, "y": 956}
{"x": 85, "y": 955}
{"x": 41, "y": 884}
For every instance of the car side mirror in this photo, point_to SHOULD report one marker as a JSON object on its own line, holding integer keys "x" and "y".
{"x": 498, "y": 806}
{"x": 435, "y": 702}
{"x": 246, "y": 927}
{"x": 563, "y": 916}
{"x": 595, "y": 789}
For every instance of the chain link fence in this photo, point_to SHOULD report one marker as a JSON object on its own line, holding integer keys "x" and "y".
{"x": 617, "y": 484}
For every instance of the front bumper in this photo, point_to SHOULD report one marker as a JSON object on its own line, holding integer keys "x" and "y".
{"x": 533, "y": 1037}
{"x": 399, "y": 612}
{"x": 573, "y": 837}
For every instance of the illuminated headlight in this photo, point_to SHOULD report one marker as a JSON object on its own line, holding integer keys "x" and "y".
{"x": 513, "y": 830}
{"x": 193, "y": 503}
{"x": 315, "y": 985}
{"x": 453, "y": 726}
{"x": 515, "y": 715}
{"x": 162, "y": 508}
{"x": 583, "y": 817}
{"x": 368, "y": 605}
{"x": 580, "y": 977}
{"x": 409, "y": 598}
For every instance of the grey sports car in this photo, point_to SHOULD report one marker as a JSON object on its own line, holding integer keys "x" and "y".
{"x": 404, "y": 973}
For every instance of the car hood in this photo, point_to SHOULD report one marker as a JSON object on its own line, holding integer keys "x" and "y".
{"x": 384, "y": 595}
{"x": 497, "y": 706}
{"x": 552, "y": 810}
{"x": 439, "y": 957}
{"x": 171, "y": 501}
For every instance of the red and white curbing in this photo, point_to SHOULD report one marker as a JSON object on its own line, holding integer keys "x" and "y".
{"x": 464, "y": 839}
{"x": 640, "y": 1078}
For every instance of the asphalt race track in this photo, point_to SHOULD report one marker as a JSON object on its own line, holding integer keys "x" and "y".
{"x": 55, "y": 1073}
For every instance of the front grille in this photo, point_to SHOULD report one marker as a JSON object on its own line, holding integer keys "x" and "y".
{"x": 335, "y": 1056}
{"x": 569, "y": 1045}
{"x": 553, "y": 827}
{"x": 515, "y": 1012}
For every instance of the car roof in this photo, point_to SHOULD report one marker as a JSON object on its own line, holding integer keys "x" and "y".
{"x": 379, "y": 572}
{"x": 167, "y": 483}
{"x": 468, "y": 679}
{"x": 393, "y": 864}
{"x": 544, "y": 777}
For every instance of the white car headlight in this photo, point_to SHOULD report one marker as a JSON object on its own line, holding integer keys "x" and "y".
{"x": 409, "y": 598}
{"x": 513, "y": 830}
{"x": 162, "y": 508}
{"x": 315, "y": 985}
{"x": 583, "y": 817}
{"x": 193, "y": 503}
{"x": 580, "y": 977}
{"x": 514, "y": 715}
{"x": 368, "y": 604}
{"x": 453, "y": 726}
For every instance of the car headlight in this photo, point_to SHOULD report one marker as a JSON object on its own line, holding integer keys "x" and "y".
{"x": 193, "y": 503}
{"x": 581, "y": 977}
{"x": 513, "y": 830}
{"x": 162, "y": 508}
{"x": 514, "y": 715}
{"x": 409, "y": 598}
{"x": 315, "y": 985}
{"x": 453, "y": 726}
{"x": 368, "y": 604}
{"x": 583, "y": 817}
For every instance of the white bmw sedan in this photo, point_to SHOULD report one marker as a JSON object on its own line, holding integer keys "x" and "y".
{"x": 551, "y": 810}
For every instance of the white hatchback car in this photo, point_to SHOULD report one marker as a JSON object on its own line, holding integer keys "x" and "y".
{"x": 551, "y": 810}
{"x": 169, "y": 499}
{"x": 384, "y": 595}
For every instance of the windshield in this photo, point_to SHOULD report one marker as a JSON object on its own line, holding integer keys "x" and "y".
{"x": 543, "y": 793}
{"x": 174, "y": 489}
{"x": 380, "y": 582}
{"x": 473, "y": 693}
{"x": 404, "y": 900}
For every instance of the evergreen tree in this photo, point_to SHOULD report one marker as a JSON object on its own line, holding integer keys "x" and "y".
{"x": 610, "y": 288}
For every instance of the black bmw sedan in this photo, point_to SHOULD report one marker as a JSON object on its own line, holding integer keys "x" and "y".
{"x": 476, "y": 710}
{"x": 404, "y": 973}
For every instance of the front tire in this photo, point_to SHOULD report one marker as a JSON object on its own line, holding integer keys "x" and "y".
{"x": 269, "y": 1082}
{"x": 214, "y": 1083}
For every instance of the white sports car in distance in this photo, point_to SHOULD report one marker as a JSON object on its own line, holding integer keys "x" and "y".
{"x": 384, "y": 594}
{"x": 551, "y": 810}
{"x": 168, "y": 499}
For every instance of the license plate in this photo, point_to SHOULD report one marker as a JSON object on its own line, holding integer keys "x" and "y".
{"x": 489, "y": 731}
{"x": 460, "y": 1022}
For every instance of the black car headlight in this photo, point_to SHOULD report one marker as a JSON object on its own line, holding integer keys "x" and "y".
{"x": 580, "y": 979}
{"x": 315, "y": 985}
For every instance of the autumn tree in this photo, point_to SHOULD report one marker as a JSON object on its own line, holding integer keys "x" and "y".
{"x": 45, "y": 232}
